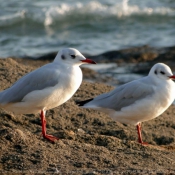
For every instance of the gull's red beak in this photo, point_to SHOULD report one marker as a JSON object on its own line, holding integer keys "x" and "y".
{"x": 88, "y": 61}
{"x": 172, "y": 77}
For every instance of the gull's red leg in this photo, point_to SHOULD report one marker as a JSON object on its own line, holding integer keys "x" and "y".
{"x": 140, "y": 135}
{"x": 43, "y": 122}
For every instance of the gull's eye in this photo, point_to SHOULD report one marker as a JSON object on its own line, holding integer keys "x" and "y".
{"x": 155, "y": 72}
{"x": 73, "y": 56}
{"x": 163, "y": 73}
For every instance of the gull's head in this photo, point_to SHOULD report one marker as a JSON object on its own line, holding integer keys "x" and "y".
{"x": 73, "y": 57}
{"x": 161, "y": 71}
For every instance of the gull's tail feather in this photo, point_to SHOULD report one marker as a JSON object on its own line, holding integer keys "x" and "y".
{"x": 82, "y": 103}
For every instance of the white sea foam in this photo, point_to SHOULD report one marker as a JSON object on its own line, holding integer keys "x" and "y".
{"x": 12, "y": 18}
{"x": 102, "y": 66}
{"x": 92, "y": 26}
{"x": 98, "y": 9}
{"x": 49, "y": 15}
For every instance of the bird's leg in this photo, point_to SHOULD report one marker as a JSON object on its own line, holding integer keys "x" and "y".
{"x": 43, "y": 122}
{"x": 140, "y": 135}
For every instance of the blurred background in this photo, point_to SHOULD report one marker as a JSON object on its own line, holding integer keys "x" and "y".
{"x": 122, "y": 36}
{"x": 33, "y": 28}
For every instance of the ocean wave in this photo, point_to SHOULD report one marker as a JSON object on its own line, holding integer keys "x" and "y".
{"x": 97, "y": 10}
{"x": 83, "y": 12}
{"x": 12, "y": 18}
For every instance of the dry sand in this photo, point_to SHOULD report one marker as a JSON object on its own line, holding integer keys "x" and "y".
{"x": 90, "y": 142}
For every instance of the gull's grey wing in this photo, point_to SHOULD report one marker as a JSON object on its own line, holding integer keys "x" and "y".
{"x": 44, "y": 77}
{"x": 123, "y": 96}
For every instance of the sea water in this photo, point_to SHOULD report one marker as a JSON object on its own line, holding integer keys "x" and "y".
{"x": 36, "y": 27}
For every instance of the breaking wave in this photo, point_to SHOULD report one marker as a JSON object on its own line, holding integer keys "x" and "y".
{"x": 92, "y": 11}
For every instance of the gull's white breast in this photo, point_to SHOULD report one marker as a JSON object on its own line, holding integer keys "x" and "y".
{"x": 51, "y": 97}
{"x": 147, "y": 108}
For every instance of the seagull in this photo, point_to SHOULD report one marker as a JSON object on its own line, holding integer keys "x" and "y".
{"x": 46, "y": 87}
{"x": 139, "y": 100}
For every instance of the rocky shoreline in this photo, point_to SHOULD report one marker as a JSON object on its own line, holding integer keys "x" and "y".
{"x": 136, "y": 55}
{"x": 90, "y": 142}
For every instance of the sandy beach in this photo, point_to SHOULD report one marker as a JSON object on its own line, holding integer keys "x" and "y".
{"x": 90, "y": 142}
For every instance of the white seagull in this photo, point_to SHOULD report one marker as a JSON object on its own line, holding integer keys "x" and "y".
{"x": 139, "y": 100}
{"x": 46, "y": 87}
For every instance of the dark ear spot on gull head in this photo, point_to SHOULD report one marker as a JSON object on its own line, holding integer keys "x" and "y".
{"x": 63, "y": 57}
